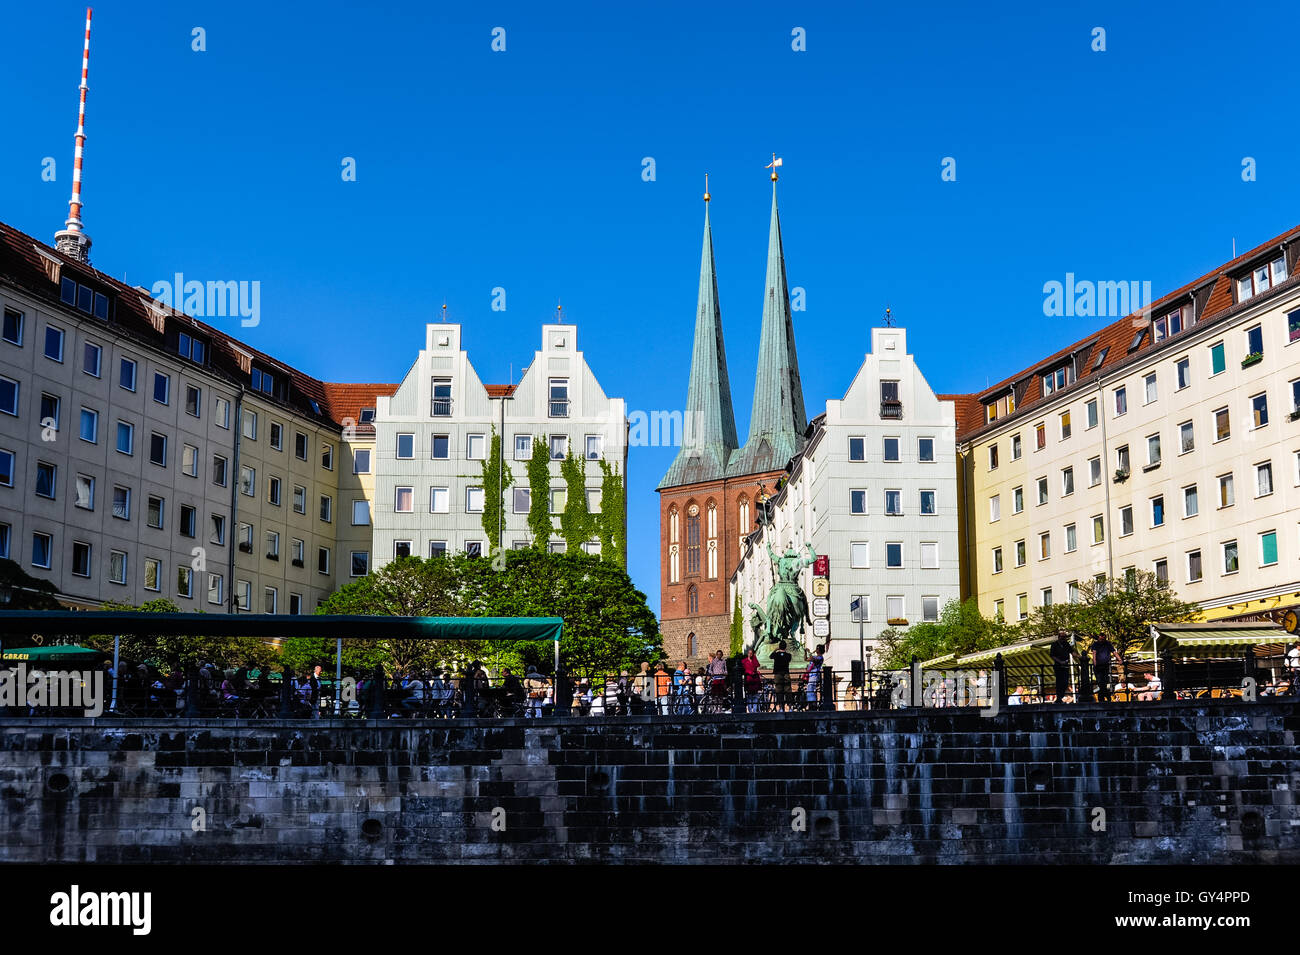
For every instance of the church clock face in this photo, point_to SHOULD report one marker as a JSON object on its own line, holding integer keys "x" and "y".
{"x": 693, "y": 510}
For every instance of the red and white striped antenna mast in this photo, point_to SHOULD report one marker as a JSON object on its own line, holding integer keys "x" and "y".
{"x": 73, "y": 240}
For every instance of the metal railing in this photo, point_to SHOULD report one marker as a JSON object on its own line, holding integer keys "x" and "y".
{"x": 215, "y": 694}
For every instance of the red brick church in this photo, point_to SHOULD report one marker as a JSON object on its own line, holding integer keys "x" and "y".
{"x": 708, "y": 500}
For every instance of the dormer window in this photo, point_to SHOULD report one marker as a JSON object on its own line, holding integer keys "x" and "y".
{"x": 367, "y": 415}
{"x": 1167, "y": 325}
{"x": 1261, "y": 279}
{"x": 1057, "y": 379}
{"x": 1000, "y": 407}
{"x": 83, "y": 298}
{"x": 263, "y": 381}
{"x": 1101, "y": 357}
{"x": 195, "y": 349}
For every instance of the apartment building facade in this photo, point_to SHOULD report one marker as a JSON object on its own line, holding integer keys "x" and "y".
{"x": 144, "y": 454}
{"x": 875, "y": 492}
{"x": 434, "y": 433}
{"x": 1168, "y": 442}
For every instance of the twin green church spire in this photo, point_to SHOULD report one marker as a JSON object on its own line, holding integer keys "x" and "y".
{"x": 710, "y": 448}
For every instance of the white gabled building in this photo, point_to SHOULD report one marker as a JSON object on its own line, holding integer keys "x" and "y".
{"x": 875, "y": 491}
{"x": 434, "y": 433}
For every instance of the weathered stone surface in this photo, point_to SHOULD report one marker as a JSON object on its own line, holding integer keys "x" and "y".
{"x": 1190, "y": 783}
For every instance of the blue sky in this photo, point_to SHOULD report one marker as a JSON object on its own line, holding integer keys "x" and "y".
{"x": 523, "y": 169}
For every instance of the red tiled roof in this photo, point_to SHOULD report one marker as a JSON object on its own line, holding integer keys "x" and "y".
{"x": 1116, "y": 339}
{"x": 23, "y": 266}
{"x": 345, "y": 402}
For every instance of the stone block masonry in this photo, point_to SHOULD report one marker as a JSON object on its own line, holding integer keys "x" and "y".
{"x": 1161, "y": 783}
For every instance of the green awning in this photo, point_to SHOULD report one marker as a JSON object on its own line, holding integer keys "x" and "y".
{"x": 56, "y": 654}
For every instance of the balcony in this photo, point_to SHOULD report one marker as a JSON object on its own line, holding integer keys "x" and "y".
{"x": 892, "y": 410}
{"x": 559, "y": 408}
{"x": 441, "y": 407}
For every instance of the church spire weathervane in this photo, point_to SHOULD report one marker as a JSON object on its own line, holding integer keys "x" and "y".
{"x": 776, "y": 161}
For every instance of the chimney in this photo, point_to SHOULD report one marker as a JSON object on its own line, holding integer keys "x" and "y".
{"x": 73, "y": 241}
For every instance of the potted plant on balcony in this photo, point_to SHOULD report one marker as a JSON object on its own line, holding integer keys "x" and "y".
{"x": 1254, "y": 358}
{"x": 1121, "y": 475}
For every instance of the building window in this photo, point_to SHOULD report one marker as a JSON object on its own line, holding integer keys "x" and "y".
{"x": 361, "y": 513}
{"x": 6, "y": 468}
{"x": 273, "y": 491}
{"x": 1044, "y": 545}
{"x": 439, "y": 500}
{"x": 559, "y": 447}
{"x": 1071, "y": 539}
{"x": 1121, "y": 459}
{"x": 1015, "y": 447}
{"x": 1268, "y": 548}
{"x": 925, "y": 450}
{"x": 54, "y": 343}
{"x": 1226, "y": 496}
{"x": 361, "y": 461}
{"x": 927, "y": 503}
{"x": 1264, "y": 479}
{"x": 327, "y": 456}
{"x": 930, "y": 609}
{"x": 248, "y": 481}
{"x": 1261, "y": 279}
{"x": 1149, "y": 383}
{"x": 1020, "y": 553}
{"x": 1022, "y": 607}
{"x": 692, "y": 541}
{"x": 91, "y": 357}
{"x": 405, "y": 446}
{"x": 1158, "y": 511}
{"x": 1042, "y": 491}
{"x": 297, "y": 551}
{"x": 323, "y": 560}
{"x": 521, "y": 500}
{"x": 1186, "y": 437}
{"x": 221, "y": 413}
{"x": 218, "y": 533}
{"x": 1230, "y": 557}
{"x": 894, "y": 555}
{"x": 1153, "y": 450}
{"x": 42, "y": 550}
{"x": 993, "y": 457}
{"x": 559, "y": 401}
{"x": 46, "y": 479}
{"x": 595, "y": 447}
{"x": 360, "y": 563}
{"x": 1091, "y": 413}
{"x": 474, "y": 548}
{"x": 80, "y": 559}
{"x": 122, "y": 502}
{"x": 474, "y": 500}
{"x": 1191, "y": 506}
{"x": 929, "y": 555}
{"x": 9, "y": 396}
{"x": 326, "y": 508}
{"x": 1040, "y": 437}
{"x": 1183, "y": 373}
{"x": 997, "y": 560}
{"x": 276, "y": 437}
{"x": 1065, "y": 425}
{"x": 859, "y": 557}
{"x": 439, "y": 548}
{"x": 1098, "y": 529}
{"x": 593, "y": 502}
{"x": 441, "y": 407}
{"x": 692, "y": 599}
{"x": 249, "y": 425}
{"x": 1218, "y": 361}
{"x": 1121, "y": 401}
{"x": 1067, "y": 481}
{"x": 89, "y": 426}
{"x": 1259, "y": 409}
{"x": 153, "y": 572}
{"x": 559, "y": 498}
{"x": 1017, "y": 500}
{"x": 190, "y": 460}
{"x": 475, "y": 447}
{"x": 1222, "y": 425}
{"x": 188, "y": 521}
{"x": 216, "y": 585}
{"x": 860, "y": 608}
{"x": 857, "y": 449}
{"x": 891, "y": 449}
{"x": 523, "y": 446}
{"x": 51, "y": 411}
{"x": 1126, "y": 520}
{"x": 13, "y": 327}
{"x": 299, "y": 499}
{"x": 894, "y": 503}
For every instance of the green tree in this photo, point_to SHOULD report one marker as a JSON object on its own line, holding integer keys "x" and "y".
{"x": 539, "y": 487}
{"x": 497, "y": 481}
{"x": 960, "y": 629}
{"x": 1124, "y": 608}
{"x": 576, "y": 525}
{"x": 611, "y": 527}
